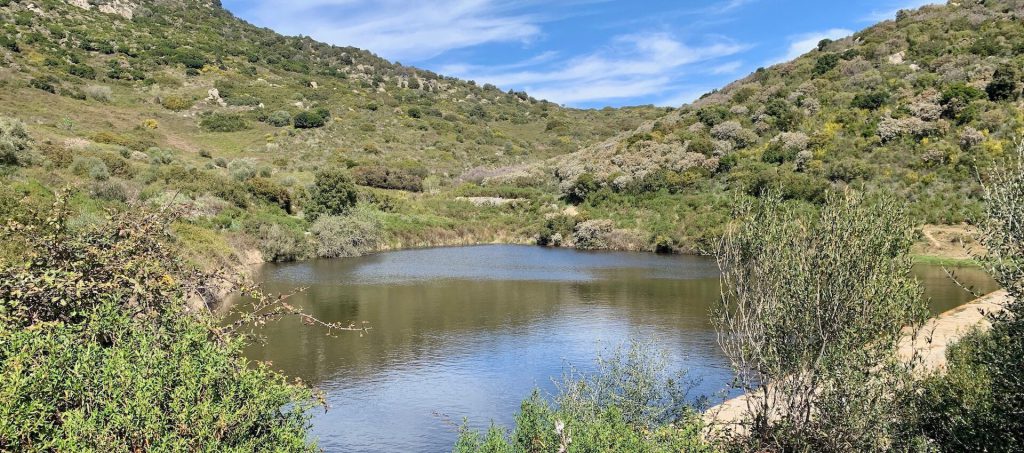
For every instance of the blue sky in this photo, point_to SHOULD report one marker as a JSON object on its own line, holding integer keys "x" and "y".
{"x": 581, "y": 53}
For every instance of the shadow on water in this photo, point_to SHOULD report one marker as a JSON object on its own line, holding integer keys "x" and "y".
{"x": 470, "y": 331}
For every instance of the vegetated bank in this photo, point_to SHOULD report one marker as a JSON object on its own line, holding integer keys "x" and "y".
{"x": 145, "y": 103}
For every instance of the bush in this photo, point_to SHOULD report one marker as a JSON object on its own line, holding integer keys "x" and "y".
{"x": 279, "y": 118}
{"x": 82, "y": 71}
{"x": 813, "y": 308}
{"x": 383, "y": 177}
{"x": 825, "y": 63}
{"x": 268, "y": 190}
{"x": 632, "y": 403}
{"x": 332, "y": 193}
{"x": 98, "y": 353}
{"x": 242, "y": 169}
{"x": 279, "y": 243}
{"x": 46, "y": 83}
{"x": 99, "y": 93}
{"x": 309, "y": 120}
{"x": 592, "y": 234}
{"x": 223, "y": 122}
{"x": 1003, "y": 85}
{"x": 342, "y": 236}
{"x": 976, "y": 405}
{"x": 110, "y": 191}
{"x": 15, "y": 144}
{"x": 90, "y": 166}
{"x": 871, "y": 100}
{"x": 175, "y": 103}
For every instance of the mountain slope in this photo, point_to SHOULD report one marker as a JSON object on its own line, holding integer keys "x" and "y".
{"x": 180, "y": 97}
{"x": 176, "y": 102}
{"x": 912, "y": 106}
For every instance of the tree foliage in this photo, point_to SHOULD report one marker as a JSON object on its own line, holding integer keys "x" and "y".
{"x": 98, "y": 352}
{"x": 813, "y": 305}
{"x": 332, "y": 193}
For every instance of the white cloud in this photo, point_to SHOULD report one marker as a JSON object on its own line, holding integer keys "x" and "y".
{"x": 726, "y": 68}
{"x": 398, "y": 29}
{"x": 803, "y": 43}
{"x": 886, "y": 14}
{"x": 629, "y": 66}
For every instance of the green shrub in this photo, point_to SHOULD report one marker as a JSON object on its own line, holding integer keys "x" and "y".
{"x": 309, "y": 120}
{"x": 279, "y": 118}
{"x": 109, "y": 191}
{"x": 268, "y": 190}
{"x": 871, "y": 100}
{"x": 191, "y": 58}
{"x": 242, "y": 169}
{"x": 1003, "y": 85}
{"x": 976, "y": 404}
{"x": 83, "y": 71}
{"x": 816, "y": 303}
{"x": 632, "y": 403}
{"x": 223, "y": 122}
{"x": 46, "y": 83}
{"x": 825, "y": 63}
{"x": 279, "y": 243}
{"x": 175, "y": 103}
{"x": 97, "y": 351}
{"x": 332, "y": 193}
{"x": 384, "y": 177}
{"x": 91, "y": 167}
{"x": 15, "y": 143}
{"x": 354, "y": 234}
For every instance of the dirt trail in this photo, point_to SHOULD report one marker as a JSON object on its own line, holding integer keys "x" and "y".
{"x": 930, "y": 341}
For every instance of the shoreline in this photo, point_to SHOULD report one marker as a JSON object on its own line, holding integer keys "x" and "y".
{"x": 928, "y": 343}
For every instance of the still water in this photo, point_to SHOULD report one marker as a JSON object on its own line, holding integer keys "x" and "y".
{"x": 470, "y": 331}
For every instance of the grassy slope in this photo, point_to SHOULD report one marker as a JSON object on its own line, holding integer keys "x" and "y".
{"x": 666, "y": 181}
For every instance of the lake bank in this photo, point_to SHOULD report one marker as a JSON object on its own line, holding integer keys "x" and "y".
{"x": 927, "y": 345}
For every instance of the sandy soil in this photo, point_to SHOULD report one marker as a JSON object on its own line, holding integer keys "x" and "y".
{"x": 948, "y": 241}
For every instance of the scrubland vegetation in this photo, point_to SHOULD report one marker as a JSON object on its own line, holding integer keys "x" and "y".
{"x": 244, "y": 140}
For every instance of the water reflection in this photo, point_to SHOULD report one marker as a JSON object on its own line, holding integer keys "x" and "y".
{"x": 469, "y": 331}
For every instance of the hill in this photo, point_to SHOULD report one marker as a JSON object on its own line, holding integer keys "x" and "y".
{"x": 914, "y": 106}
{"x": 138, "y": 101}
{"x": 177, "y": 103}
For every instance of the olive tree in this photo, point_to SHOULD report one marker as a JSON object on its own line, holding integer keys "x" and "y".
{"x": 812, "y": 309}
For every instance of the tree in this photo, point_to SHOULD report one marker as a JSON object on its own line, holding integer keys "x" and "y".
{"x": 812, "y": 308}
{"x": 1003, "y": 85}
{"x": 332, "y": 193}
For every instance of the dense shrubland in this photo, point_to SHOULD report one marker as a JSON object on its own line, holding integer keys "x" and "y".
{"x": 98, "y": 351}
{"x": 912, "y": 106}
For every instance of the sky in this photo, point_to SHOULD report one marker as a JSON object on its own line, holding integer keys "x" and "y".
{"x": 579, "y": 53}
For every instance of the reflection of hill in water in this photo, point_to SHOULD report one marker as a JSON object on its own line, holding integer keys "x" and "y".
{"x": 470, "y": 331}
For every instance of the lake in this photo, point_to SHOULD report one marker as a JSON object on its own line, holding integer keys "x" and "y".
{"x": 469, "y": 331}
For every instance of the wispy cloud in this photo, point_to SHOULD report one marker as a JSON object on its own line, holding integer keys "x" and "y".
{"x": 803, "y": 43}
{"x": 629, "y": 66}
{"x": 398, "y": 29}
{"x": 890, "y": 12}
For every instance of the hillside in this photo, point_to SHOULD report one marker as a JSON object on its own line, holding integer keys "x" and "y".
{"x": 913, "y": 106}
{"x": 176, "y": 103}
{"x": 144, "y": 101}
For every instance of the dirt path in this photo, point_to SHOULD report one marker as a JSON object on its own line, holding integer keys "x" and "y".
{"x": 930, "y": 341}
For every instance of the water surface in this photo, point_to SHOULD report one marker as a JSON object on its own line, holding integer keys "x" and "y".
{"x": 470, "y": 331}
